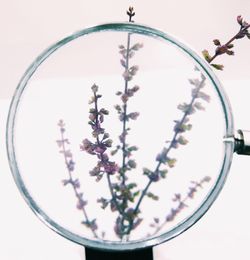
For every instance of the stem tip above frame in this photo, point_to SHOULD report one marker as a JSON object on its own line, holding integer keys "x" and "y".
{"x": 130, "y": 13}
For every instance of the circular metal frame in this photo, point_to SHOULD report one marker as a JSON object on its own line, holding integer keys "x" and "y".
{"x": 184, "y": 225}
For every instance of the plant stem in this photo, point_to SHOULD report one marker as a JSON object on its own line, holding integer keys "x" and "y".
{"x": 181, "y": 122}
{"x": 102, "y": 159}
{"x": 178, "y": 209}
{"x": 125, "y": 116}
{"x": 242, "y": 29}
{"x": 168, "y": 149}
{"x": 71, "y": 181}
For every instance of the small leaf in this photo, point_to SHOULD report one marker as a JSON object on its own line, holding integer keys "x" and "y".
{"x": 104, "y": 202}
{"x": 114, "y": 152}
{"x": 123, "y": 63}
{"x": 199, "y": 106}
{"x": 239, "y": 19}
{"x": 92, "y": 100}
{"x": 204, "y": 96}
{"x": 156, "y": 220}
{"x": 133, "y": 115}
{"x": 206, "y": 55}
{"x": 137, "y": 46}
{"x": 218, "y": 66}
{"x": 163, "y": 173}
{"x": 182, "y": 140}
{"x": 118, "y": 108}
{"x": 136, "y": 193}
{"x": 132, "y": 148}
{"x": 195, "y": 82}
{"x": 146, "y": 171}
{"x": 240, "y": 35}
{"x": 131, "y": 185}
{"x": 152, "y": 196}
{"x": 94, "y": 88}
{"x": 132, "y": 164}
{"x": 230, "y": 52}
{"x": 216, "y": 42}
{"x": 177, "y": 197}
{"x": 230, "y": 46}
{"x": 171, "y": 162}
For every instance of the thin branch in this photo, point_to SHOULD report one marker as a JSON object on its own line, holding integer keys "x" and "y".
{"x": 74, "y": 183}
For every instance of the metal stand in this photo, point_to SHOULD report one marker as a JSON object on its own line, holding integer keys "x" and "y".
{"x": 242, "y": 142}
{"x": 141, "y": 254}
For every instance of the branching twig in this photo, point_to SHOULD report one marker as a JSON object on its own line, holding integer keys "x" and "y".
{"x": 181, "y": 204}
{"x": 75, "y": 184}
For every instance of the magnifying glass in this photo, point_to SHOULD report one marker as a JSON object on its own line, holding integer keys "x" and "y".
{"x": 120, "y": 138}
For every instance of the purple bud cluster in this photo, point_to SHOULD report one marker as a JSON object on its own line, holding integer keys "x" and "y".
{"x": 101, "y": 142}
{"x": 227, "y": 47}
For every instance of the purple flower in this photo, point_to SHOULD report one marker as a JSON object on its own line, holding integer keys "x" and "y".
{"x": 71, "y": 165}
{"x": 91, "y": 224}
{"x": 135, "y": 88}
{"x": 124, "y": 98}
{"x": 92, "y": 116}
{"x": 154, "y": 177}
{"x": 104, "y": 202}
{"x": 127, "y": 76}
{"x": 177, "y": 197}
{"x": 67, "y": 153}
{"x": 192, "y": 191}
{"x": 111, "y": 167}
{"x": 133, "y": 115}
{"x": 133, "y": 70}
{"x": 76, "y": 183}
{"x": 61, "y": 123}
{"x": 87, "y": 146}
{"x": 81, "y": 204}
{"x": 122, "y": 137}
{"x": 123, "y": 63}
{"x": 105, "y": 157}
{"x": 66, "y": 182}
{"x": 104, "y": 111}
{"x": 100, "y": 148}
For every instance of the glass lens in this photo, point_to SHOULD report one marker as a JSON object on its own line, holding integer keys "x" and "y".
{"x": 116, "y": 137}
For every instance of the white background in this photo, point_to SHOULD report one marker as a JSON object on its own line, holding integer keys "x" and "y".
{"x": 29, "y": 26}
